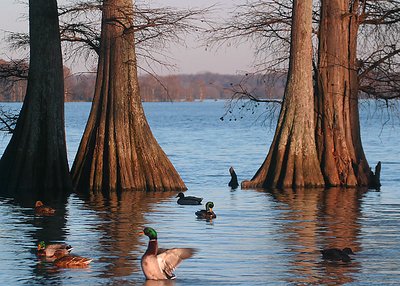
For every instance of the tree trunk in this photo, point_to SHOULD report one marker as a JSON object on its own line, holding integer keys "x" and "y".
{"x": 34, "y": 163}
{"x": 118, "y": 151}
{"x": 342, "y": 158}
{"x": 292, "y": 159}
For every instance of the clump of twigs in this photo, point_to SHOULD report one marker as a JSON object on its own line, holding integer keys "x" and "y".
{"x": 8, "y": 120}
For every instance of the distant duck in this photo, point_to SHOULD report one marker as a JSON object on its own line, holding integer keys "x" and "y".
{"x": 158, "y": 263}
{"x": 72, "y": 261}
{"x": 189, "y": 200}
{"x": 233, "y": 183}
{"x": 55, "y": 250}
{"x": 208, "y": 213}
{"x": 337, "y": 254}
{"x": 41, "y": 209}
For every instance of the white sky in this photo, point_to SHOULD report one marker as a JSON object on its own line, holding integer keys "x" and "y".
{"x": 190, "y": 59}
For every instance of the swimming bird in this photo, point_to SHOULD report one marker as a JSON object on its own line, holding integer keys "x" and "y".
{"x": 233, "y": 183}
{"x": 208, "y": 213}
{"x": 337, "y": 254}
{"x": 55, "y": 250}
{"x": 72, "y": 261}
{"x": 189, "y": 200}
{"x": 158, "y": 263}
{"x": 41, "y": 209}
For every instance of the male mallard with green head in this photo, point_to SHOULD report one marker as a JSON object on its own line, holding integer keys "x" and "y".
{"x": 158, "y": 263}
{"x": 41, "y": 209}
{"x": 189, "y": 200}
{"x": 54, "y": 250}
{"x": 208, "y": 213}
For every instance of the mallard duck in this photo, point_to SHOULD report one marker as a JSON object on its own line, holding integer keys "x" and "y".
{"x": 54, "y": 250}
{"x": 337, "y": 254}
{"x": 72, "y": 261}
{"x": 233, "y": 183}
{"x": 41, "y": 209}
{"x": 189, "y": 200}
{"x": 158, "y": 263}
{"x": 208, "y": 213}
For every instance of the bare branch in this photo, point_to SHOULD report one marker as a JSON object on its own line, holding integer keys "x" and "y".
{"x": 8, "y": 120}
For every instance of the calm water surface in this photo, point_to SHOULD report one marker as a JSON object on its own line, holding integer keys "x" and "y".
{"x": 258, "y": 238}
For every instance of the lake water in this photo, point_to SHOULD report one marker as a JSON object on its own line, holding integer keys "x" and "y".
{"x": 258, "y": 237}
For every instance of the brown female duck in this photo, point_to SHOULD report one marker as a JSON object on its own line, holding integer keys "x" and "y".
{"x": 72, "y": 261}
{"x": 41, "y": 209}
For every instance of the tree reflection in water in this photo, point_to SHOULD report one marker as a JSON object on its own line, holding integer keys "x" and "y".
{"x": 313, "y": 219}
{"x": 121, "y": 218}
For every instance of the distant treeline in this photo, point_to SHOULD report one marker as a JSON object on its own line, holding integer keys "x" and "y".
{"x": 183, "y": 87}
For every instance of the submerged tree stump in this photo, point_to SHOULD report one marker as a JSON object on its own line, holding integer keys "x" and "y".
{"x": 375, "y": 178}
{"x": 233, "y": 183}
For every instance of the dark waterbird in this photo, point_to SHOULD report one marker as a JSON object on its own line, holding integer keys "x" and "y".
{"x": 208, "y": 213}
{"x": 337, "y": 254}
{"x": 158, "y": 263}
{"x": 189, "y": 200}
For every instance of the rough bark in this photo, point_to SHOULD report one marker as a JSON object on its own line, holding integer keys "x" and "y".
{"x": 292, "y": 159}
{"x": 342, "y": 158}
{"x": 34, "y": 163}
{"x": 118, "y": 150}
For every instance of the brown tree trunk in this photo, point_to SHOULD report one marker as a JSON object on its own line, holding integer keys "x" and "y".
{"x": 339, "y": 144}
{"x": 292, "y": 159}
{"x": 118, "y": 151}
{"x": 34, "y": 163}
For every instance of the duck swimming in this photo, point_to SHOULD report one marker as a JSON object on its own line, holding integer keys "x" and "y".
{"x": 189, "y": 200}
{"x": 72, "y": 261}
{"x": 41, "y": 209}
{"x": 208, "y": 213}
{"x": 158, "y": 263}
{"x": 337, "y": 254}
{"x": 55, "y": 250}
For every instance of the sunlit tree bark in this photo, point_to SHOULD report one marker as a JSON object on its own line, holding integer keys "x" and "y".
{"x": 292, "y": 159}
{"x": 339, "y": 74}
{"x": 338, "y": 130}
{"x": 34, "y": 163}
{"x": 118, "y": 150}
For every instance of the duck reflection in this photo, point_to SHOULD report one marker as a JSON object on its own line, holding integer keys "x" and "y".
{"x": 47, "y": 227}
{"x": 121, "y": 217}
{"x": 34, "y": 228}
{"x": 159, "y": 283}
{"x": 313, "y": 219}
